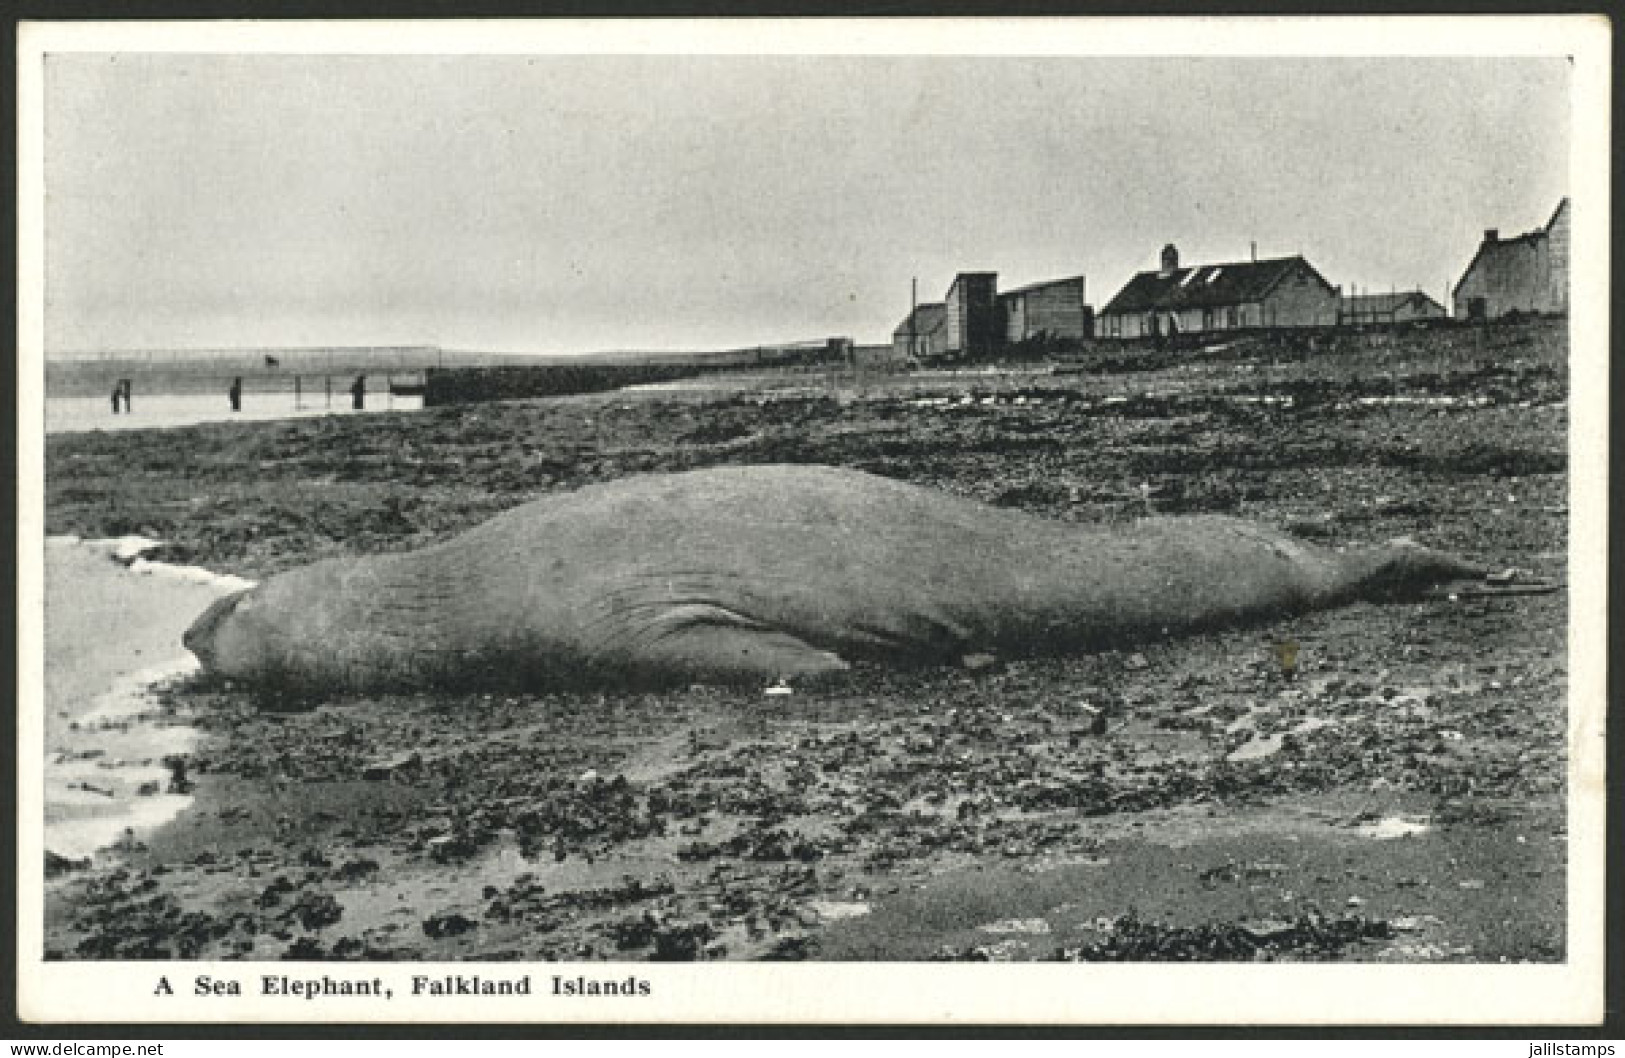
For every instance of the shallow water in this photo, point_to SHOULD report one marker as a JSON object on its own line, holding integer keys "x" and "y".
{"x": 78, "y": 414}
{"x": 105, "y": 777}
{"x": 106, "y": 774}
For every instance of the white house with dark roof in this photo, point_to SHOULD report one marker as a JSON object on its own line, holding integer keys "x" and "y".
{"x": 1279, "y": 292}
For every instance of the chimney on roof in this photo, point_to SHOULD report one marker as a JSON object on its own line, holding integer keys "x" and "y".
{"x": 1492, "y": 234}
{"x": 1170, "y": 258}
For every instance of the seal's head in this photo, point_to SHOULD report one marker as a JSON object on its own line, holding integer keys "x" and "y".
{"x": 216, "y": 638}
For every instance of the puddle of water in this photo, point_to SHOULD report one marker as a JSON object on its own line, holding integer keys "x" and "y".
{"x": 1257, "y": 748}
{"x": 1393, "y": 827}
{"x": 1016, "y": 925}
{"x": 1471, "y": 402}
{"x": 1423, "y": 953}
{"x": 834, "y": 910}
{"x": 1058, "y": 862}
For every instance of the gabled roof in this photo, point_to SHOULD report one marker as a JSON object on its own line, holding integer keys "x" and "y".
{"x": 1504, "y": 247}
{"x": 929, "y": 318}
{"x": 1386, "y": 302}
{"x": 1206, "y": 286}
{"x": 1488, "y": 252}
{"x": 1031, "y": 287}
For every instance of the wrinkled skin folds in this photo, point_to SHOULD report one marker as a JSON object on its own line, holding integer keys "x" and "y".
{"x": 757, "y": 573}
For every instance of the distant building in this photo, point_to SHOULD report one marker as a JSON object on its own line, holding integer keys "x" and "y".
{"x": 1054, "y": 311}
{"x": 1281, "y": 292}
{"x": 973, "y": 314}
{"x": 878, "y": 357}
{"x": 1525, "y": 274}
{"x": 1401, "y": 307}
{"x": 923, "y": 333}
{"x": 838, "y": 350}
{"x": 976, "y": 320}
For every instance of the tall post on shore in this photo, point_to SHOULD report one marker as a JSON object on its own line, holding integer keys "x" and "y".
{"x": 296, "y": 393}
{"x": 327, "y": 384}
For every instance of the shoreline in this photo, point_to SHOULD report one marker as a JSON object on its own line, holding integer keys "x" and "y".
{"x": 160, "y": 411}
{"x": 112, "y": 638}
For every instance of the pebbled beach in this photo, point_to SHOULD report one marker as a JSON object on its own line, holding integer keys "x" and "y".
{"x": 1396, "y": 794}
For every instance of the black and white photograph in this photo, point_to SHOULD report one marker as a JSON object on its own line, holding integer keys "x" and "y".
{"x": 1048, "y": 520}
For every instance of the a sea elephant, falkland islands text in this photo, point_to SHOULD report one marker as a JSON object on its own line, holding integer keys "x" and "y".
{"x": 756, "y": 573}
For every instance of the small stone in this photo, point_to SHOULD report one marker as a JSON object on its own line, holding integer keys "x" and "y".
{"x": 447, "y": 924}
{"x": 388, "y": 769}
{"x": 1268, "y": 929}
{"x": 449, "y": 848}
{"x": 315, "y": 910}
{"x": 1136, "y": 662}
{"x": 978, "y": 662}
{"x": 1096, "y": 718}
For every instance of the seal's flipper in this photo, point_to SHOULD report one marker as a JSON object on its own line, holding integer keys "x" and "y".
{"x": 736, "y": 653}
{"x": 1401, "y": 569}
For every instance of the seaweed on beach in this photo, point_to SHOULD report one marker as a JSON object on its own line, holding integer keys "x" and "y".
{"x": 703, "y": 822}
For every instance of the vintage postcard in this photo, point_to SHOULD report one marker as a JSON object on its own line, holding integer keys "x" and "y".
{"x": 966, "y": 520}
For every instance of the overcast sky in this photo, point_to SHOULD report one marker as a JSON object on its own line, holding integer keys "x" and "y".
{"x": 595, "y": 203}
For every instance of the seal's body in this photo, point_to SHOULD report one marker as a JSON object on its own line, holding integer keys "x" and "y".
{"x": 763, "y": 572}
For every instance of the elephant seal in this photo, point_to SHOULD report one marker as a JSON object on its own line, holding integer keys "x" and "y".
{"x": 760, "y": 572}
